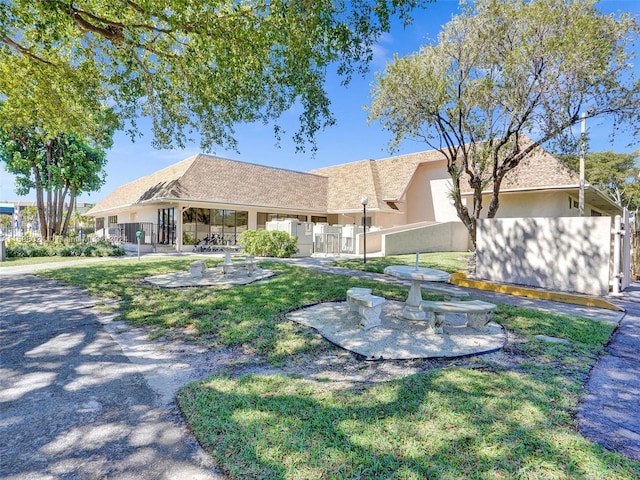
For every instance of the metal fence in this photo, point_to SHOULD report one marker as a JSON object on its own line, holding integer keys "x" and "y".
{"x": 126, "y": 233}
{"x": 333, "y": 243}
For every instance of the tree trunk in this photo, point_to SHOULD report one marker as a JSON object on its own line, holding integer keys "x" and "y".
{"x": 49, "y": 206}
{"x": 72, "y": 204}
{"x": 40, "y": 203}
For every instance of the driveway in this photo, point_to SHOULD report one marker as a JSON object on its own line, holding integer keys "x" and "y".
{"x": 73, "y": 405}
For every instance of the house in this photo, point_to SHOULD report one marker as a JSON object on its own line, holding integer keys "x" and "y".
{"x": 205, "y": 198}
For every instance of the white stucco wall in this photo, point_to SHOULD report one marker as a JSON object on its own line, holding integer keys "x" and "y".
{"x": 569, "y": 254}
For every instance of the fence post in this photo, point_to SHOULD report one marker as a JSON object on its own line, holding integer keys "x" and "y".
{"x": 616, "y": 256}
{"x": 626, "y": 250}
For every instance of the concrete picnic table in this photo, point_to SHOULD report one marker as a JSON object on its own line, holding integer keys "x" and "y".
{"x": 228, "y": 249}
{"x": 416, "y": 275}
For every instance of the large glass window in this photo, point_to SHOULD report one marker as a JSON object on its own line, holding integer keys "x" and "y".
{"x": 211, "y": 227}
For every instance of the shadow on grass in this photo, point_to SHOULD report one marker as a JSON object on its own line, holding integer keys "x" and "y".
{"x": 455, "y": 423}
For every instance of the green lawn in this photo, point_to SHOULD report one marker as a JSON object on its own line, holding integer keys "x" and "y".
{"x": 448, "y": 261}
{"x": 487, "y": 419}
{"x": 20, "y": 261}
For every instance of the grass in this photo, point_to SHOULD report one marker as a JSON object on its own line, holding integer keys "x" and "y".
{"x": 252, "y": 315}
{"x": 21, "y": 261}
{"x": 448, "y": 261}
{"x": 486, "y": 419}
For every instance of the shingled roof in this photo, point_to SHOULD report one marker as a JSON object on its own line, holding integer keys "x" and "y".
{"x": 334, "y": 189}
{"x": 380, "y": 180}
{"x": 217, "y": 180}
{"x": 541, "y": 170}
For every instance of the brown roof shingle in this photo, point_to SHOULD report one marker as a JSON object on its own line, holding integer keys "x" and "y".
{"x": 218, "y": 180}
{"x": 380, "y": 180}
{"x": 332, "y": 189}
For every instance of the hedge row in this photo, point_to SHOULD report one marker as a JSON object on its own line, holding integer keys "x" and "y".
{"x": 30, "y": 249}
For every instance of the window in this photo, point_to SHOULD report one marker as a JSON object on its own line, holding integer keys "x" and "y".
{"x": 113, "y": 220}
{"x": 213, "y": 226}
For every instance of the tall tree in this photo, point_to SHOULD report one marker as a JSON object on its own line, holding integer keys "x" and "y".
{"x": 506, "y": 77}
{"x": 616, "y": 174}
{"x": 59, "y": 169}
{"x": 190, "y": 65}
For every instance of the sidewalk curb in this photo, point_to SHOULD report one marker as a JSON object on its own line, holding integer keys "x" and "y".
{"x": 461, "y": 280}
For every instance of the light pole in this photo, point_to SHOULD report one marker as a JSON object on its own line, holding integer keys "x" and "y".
{"x": 583, "y": 149}
{"x": 364, "y": 200}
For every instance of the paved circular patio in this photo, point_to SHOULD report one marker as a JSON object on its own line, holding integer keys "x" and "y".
{"x": 398, "y": 338}
{"x": 211, "y": 277}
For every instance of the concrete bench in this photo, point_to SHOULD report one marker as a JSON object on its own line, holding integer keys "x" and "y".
{"x": 248, "y": 262}
{"x": 450, "y": 294}
{"x": 368, "y": 306}
{"x": 478, "y": 313}
{"x": 197, "y": 268}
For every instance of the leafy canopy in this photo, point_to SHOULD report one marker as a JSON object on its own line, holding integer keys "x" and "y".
{"x": 59, "y": 168}
{"x": 616, "y": 174}
{"x": 190, "y": 65}
{"x": 506, "y": 77}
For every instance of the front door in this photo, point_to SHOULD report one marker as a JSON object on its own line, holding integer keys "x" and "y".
{"x": 167, "y": 226}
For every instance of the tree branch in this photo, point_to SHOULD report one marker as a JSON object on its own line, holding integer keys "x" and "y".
{"x": 25, "y": 51}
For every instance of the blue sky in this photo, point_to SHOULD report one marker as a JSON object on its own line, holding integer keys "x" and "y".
{"x": 350, "y": 139}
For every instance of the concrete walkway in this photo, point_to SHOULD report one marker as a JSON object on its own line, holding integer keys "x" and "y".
{"x": 610, "y": 413}
{"x": 72, "y": 404}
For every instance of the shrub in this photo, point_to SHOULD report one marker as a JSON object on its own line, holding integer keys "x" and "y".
{"x": 17, "y": 250}
{"x": 30, "y": 248}
{"x": 268, "y": 243}
{"x": 188, "y": 239}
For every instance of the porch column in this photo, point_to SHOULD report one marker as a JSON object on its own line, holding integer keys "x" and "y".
{"x": 179, "y": 210}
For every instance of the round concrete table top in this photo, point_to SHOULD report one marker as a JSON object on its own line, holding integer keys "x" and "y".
{"x": 423, "y": 274}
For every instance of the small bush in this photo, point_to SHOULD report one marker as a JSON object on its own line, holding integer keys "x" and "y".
{"x": 268, "y": 243}
{"x": 18, "y": 251}
{"x": 188, "y": 239}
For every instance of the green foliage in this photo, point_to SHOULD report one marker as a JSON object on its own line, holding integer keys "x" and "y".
{"x": 188, "y": 239}
{"x": 54, "y": 163}
{"x": 506, "y": 77}
{"x": 616, "y": 174}
{"x": 31, "y": 247}
{"x": 268, "y": 243}
{"x": 194, "y": 65}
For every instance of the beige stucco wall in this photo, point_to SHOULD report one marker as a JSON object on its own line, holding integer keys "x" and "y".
{"x": 427, "y": 197}
{"x": 440, "y": 237}
{"x": 536, "y": 204}
{"x": 564, "y": 254}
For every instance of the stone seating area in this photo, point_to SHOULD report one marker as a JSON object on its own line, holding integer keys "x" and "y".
{"x": 247, "y": 262}
{"x": 367, "y": 305}
{"x": 450, "y": 294}
{"x": 197, "y": 268}
{"x": 478, "y": 313}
